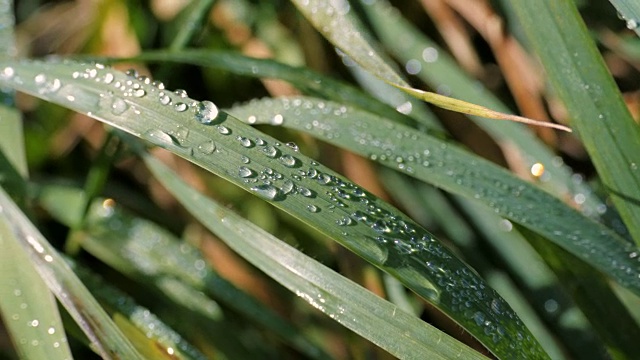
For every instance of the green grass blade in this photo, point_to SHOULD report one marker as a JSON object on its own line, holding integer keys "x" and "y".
{"x": 279, "y": 174}
{"x": 455, "y": 170}
{"x": 188, "y": 22}
{"x": 335, "y": 22}
{"x": 28, "y": 308}
{"x": 304, "y": 79}
{"x": 581, "y": 80}
{"x": 105, "y": 336}
{"x": 160, "y": 341}
{"x": 629, "y": 11}
{"x": 440, "y": 71}
{"x": 381, "y": 322}
{"x": 151, "y": 255}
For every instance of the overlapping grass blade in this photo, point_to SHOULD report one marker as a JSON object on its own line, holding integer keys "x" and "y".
{"x": 334, "y": 21}
{"x": 151, "y": 255}
{"x": 581, "y": 80}
{"x": 629, "y": 11}
{"x": 96, "y": 324}
{"x": 381, "y": 322}
{"x": 304, "y": 79}
{"x": 440, "y": 71}
{"x": 458, "y": 171}
{"x": 279, "y": 174}
{"x": 29, "y": 310}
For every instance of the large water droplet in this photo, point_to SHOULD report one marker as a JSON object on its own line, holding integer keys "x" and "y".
{"x": 207, "y": 147}
{"x": 207, "y": 112}
{"x": 287, "y": 187}
{"x": 245, "y": 172}
{"x": 118, "y": 106}
{"x": 159, "y": 137}
{"x": 180, "y": 107}
{"x": 266, "y": 191}
{"x": 245, "y": 141}
{"x": 270, "y": 151}
{"x": 305, "y": 192}
{"x": 288, "y": 160}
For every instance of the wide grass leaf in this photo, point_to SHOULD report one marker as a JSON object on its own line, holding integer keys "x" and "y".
{"x": 381, "y": 322}
{"x": 28, "y": 308}
{"x": 281, "y": 175}
{"x": 580, "y": 78}
{"x": 455, "y": 170}
{"x": 106, "y": 338}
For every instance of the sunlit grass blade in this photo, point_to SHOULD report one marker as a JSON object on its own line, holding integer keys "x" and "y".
{"x": 629, "y": 12}
{"x": 279, "y": 174}
{"x": 580, "y": 78}
{"x": 304, "y": 79}
{"x": 96, "y": 324}
{"x": 379, "y": 321}
{"x": 455, "y": 170}
{"x": 158, "y": 339}
{"x": 335, "y": 22}
{"x": 149, "y": 254}
{"x": 28, "y": 308}
{"x": 440, "y": 71}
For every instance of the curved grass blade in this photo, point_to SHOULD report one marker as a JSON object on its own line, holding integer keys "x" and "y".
{"x": 277, "y": 173}
{"x": 629, "y": 12}
{"x": 96, "y": 324}
{"x": 304, "y": 79}
{"x": 580, "y": 78}
{"x": 333, "y": 20}
{"x": 160, "y": 339}
{"x": 458, "y": 171}
{"x": 379, "y": 321}
{"x": 188, "y": 22}
{"x": 145, "y": 252}
{"x": 28, "y": 308}
{"x": 440, "y": 71}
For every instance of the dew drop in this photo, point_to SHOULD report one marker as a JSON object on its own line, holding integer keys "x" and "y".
{"x": 223, "y": 130}
{"x": 312, "y": 208}
{"x": 288, "y": 160}
{"x": 244, "y": 159}
{"x": 207, "y": 147}
{"x": 278, "y": 119}
{"x": 293, "y": 146}
{"x": 159, "y": 137}
{"x": 305, "y": 192}
{"x": 108, "y": 78}
{"x": 164, "y": 98}
{"x": 206, "y": 112}
{"x": 287, "y": 187}
{"x": 537, "y": 170}
{"x": 260, "y": 142}
{"x": 266, "y": 191}
{"x": 132, "y": 73}
{"x": 138, "y": 93}
{"x": 245, "y": 172}
{"x": 118, "y": 106}
{"x": 181, "y": 93}
{"x": 7, "y": 72}
{"x": 270, "y": 151}
{"x": 180, "y": 107}
{"x": 245, "y": 141}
